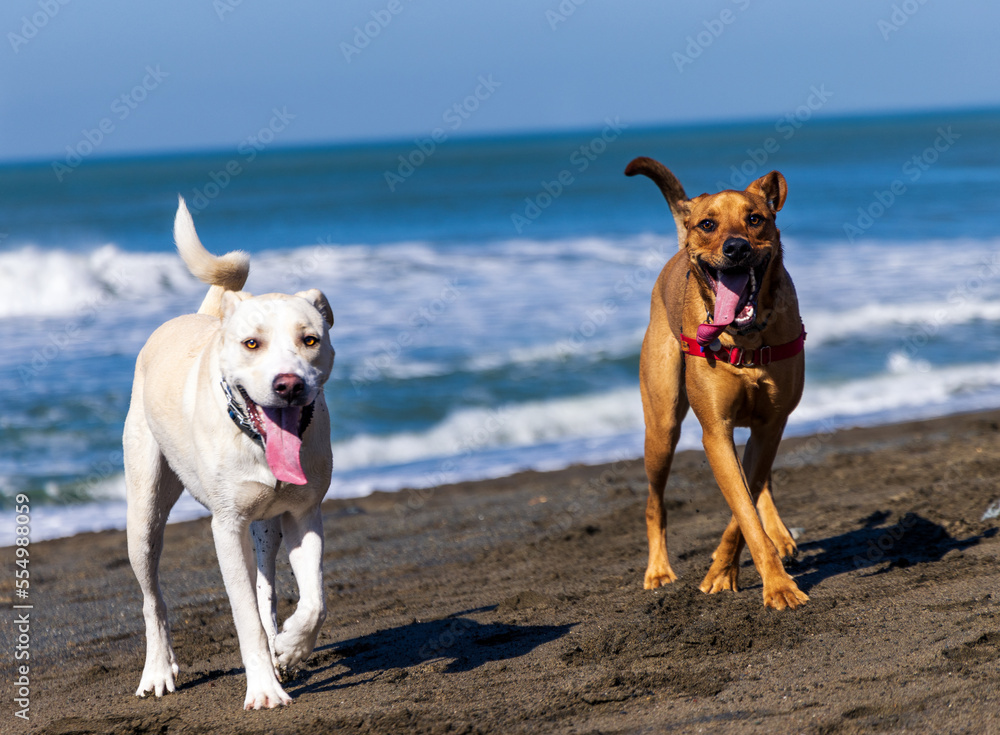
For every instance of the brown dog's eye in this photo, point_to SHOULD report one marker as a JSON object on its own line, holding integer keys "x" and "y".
{"x": 310, "y": 341}
{"x": 707, "y": 225}
{"x": 251, "y": 344}
{"x": 755, "y": 219}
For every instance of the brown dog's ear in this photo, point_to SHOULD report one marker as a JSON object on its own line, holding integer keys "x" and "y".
{"x": 773, "y": 188}
{"x": 315, "y": 297}
{"x": 670, "y": 187}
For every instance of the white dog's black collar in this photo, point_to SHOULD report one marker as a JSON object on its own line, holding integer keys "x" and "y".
{"x": 239, "y": 415}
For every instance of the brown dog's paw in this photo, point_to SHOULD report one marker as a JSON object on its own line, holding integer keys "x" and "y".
{"x": 783, "y": 542}
{"x": 786, "y": 594}
{"x": 721, "y": 577}
{"x": 658, "y": 578}
{"x": 781, "y": 537}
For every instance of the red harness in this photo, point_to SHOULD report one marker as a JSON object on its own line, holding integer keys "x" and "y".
{"x": 746, "y": 358}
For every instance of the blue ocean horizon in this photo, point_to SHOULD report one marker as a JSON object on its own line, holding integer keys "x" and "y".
{"x": 491, "y": 293}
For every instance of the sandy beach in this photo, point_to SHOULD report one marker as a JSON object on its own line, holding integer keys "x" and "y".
{"x": 516, "y": 605}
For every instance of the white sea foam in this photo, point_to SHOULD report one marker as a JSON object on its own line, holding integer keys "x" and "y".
{"x": 842, "y": 291}
{"x": 605, "y": 347}
{"x": 44, "y": 283}
{"x": 57, "y": 521}
{"x": 472, "y": 430}
{"x": 909, "y": 388}
{"x": 900, "y": 320}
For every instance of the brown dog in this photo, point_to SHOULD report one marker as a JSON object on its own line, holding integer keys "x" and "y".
{"x": 724, "y": 337}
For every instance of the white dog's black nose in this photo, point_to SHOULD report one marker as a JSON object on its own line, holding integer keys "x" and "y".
{"x": 289, "y": 386}
{"x": 736, "y": 249}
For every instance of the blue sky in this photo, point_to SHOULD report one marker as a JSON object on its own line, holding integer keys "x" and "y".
{"x": 194, "y": 74}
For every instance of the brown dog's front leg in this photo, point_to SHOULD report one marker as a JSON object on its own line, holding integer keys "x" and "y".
{"x": 658, "y": 571}
{"x": 780, "y": 590}
{"x": 664, "y": 403}
{"x": 725, "y": 570}
{"x": 658, "y": 460}
{"x": 776, "y": 529}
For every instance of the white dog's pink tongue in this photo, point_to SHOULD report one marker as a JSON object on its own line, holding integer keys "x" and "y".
{"x": 282, "y": 445}
{"x": 731, "y": 285}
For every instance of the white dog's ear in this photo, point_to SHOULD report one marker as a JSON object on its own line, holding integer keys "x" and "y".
{"x": 315, "y": 297}
{"x": 232, "y": 299}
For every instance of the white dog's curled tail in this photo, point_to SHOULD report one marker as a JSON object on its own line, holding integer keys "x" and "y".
{"x": 224, "y": 273}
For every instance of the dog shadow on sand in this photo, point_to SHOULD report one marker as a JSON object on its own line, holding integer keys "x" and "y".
{"x": 453, "y": 644}
{"x": 877, "y": 548}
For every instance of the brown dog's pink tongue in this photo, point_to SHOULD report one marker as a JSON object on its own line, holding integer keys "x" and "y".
{"x": 727, "y": 297}
{"x": 282, "y": 445}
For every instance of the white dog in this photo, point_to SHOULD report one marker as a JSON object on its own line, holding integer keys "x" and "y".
{"x": 229, "y": 403}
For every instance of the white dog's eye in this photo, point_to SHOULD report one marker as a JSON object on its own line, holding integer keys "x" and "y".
{"x": 310, "y": 341}
{"x": 251, "y": 344}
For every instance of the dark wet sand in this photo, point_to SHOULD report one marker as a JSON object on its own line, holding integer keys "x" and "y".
{"x": 516, "y": 605}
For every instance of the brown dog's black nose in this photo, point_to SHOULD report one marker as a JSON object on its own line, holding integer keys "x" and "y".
{"x": 736, "y": 249}
{"x": 288, "y": 386}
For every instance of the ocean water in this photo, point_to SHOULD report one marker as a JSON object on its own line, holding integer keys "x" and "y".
{"x": 491, "y": 294}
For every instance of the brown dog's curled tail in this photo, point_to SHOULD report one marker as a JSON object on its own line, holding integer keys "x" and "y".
{"x": 669, "y": 186}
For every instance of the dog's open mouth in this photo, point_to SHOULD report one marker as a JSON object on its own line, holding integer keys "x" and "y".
{"x": 736, "y": 290}
{"x": 281, "y": 428}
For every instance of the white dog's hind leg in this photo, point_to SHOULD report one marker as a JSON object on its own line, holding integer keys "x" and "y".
{"x": 267, "y": 539}
{"x": 151, "y": 488}
{"x": 236, "y": 558}
{"x": 304, "y": 541}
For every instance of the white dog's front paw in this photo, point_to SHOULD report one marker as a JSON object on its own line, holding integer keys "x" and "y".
{"x": 292, "y": 646}
{"x": 158, "y": 676}
{"x": 264, "y": 692}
